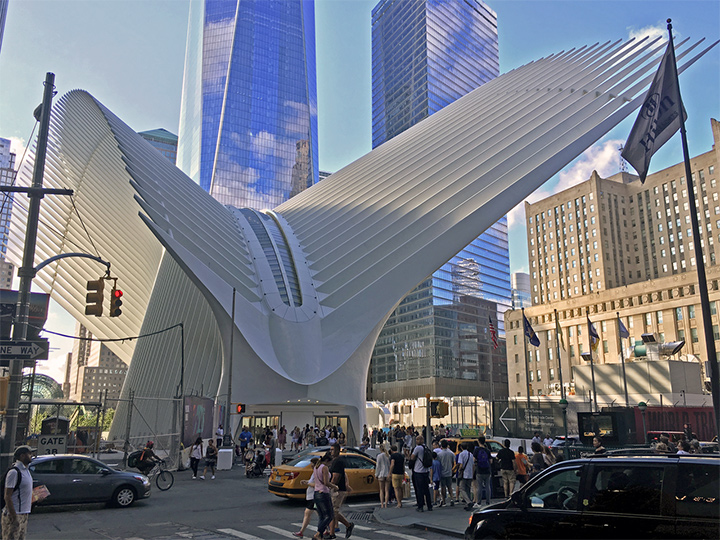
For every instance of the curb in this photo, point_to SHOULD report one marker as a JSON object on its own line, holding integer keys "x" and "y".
{"x": 420, "y": 525}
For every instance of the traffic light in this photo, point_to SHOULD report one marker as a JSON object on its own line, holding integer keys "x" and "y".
{"x": 4, "y": 384}
{"x": 438, "y": 408}
{"x": 94, "y": 298}
{"x": 241, "y": 408}
{"x": 115, "y": 302}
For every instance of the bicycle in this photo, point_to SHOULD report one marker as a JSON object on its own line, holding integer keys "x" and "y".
{"x": 164, "y": 479}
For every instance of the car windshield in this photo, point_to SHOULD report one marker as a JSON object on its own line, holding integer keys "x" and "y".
{"x": 558, "y": 490}
{"x": 494, "y": 446}
{"x": 301, "y": 461}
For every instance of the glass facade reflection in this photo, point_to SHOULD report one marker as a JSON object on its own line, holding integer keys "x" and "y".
{"x": 426, "y": 54}
{"x": 248, "y": 122}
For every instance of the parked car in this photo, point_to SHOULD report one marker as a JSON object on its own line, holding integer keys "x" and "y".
{"x": 559, "y": 441}
{"x": 285, "y": 480}
{"x": 74, "y": 478}
{"x": 664, "y": 496}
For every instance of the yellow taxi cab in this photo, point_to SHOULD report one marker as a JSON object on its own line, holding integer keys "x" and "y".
{"x": 454, "y": 444}
{"x": 285, "y": 480}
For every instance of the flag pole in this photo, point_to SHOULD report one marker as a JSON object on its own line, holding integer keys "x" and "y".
{"x": 557, "y": 345}
{"x": 699, "y": 260}
{"x": 622, "y": 356}
{"x": 527, "y": 369}
{"x": 592, "y": 364}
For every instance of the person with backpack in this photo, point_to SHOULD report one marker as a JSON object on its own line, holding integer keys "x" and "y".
{"x": 466, "y": 466}
{"x": 483, "y": 471}
{"x": 421, "y": 463}
{"x": 17, "y": 496}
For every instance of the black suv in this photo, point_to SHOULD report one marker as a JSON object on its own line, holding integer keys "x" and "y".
{"x": 654, "y": 496}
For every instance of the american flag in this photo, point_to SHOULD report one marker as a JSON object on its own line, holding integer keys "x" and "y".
{"x": 493, "y": 334}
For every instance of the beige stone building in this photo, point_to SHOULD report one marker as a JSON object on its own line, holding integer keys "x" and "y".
{"x": 615, "y": 245}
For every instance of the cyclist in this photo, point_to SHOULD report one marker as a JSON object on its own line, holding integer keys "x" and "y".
{"x": 147, "y": 459}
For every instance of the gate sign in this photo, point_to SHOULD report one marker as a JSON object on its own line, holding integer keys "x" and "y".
{"x": 52, "y": 444}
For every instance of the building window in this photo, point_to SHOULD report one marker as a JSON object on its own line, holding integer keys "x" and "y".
{"x": 716, "y": 332}
{"x": 552, "y": 374}
{"x": 572, "y": 351}
{"x": 517, "y": 377}
{"x": 678, "y": 314}
{"x": 659, "y": 316}
{"x": 605, "y": 346}
{"x": 681, "y": 334}
{"x": 694, "y": 335}
{"x": 691, "y": 311}
{"x": 516, "y": 359}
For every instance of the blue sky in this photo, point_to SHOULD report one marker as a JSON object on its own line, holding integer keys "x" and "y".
{"x": 130, "y": 53}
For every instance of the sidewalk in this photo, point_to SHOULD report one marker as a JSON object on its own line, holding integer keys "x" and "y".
{"x": 449, "y": 520}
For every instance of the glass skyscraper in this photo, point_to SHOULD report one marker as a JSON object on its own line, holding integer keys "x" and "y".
{"x": 248, "y": 122}
{"x": 425, "y": 55}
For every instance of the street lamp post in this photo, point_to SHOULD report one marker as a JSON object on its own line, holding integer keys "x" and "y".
{"x": 642, "y": 406}
{"x": 587, "y": 356}
{"x": 564, "y": 405}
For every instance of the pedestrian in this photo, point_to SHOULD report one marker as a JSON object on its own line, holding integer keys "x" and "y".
{"x": 538, "y": 458}
{"x": 210, "y": 459}
{"x": 523, "y": 466}
{"x": 548, "y": 441}
{"x": 397, "y": 472}
{"x": 309, "y": 499}
{"x": 466, "y": 472}
{"x": 507, "y": 467}
{"x": 282, "y": 437}
{"x": 597, "y": 443}
{"x": 219, "y": 433}
{"x": 295, "y": 438}
{"x": 323, "y": 502}
{"x": 196, "y": 454}
{"x": 536, "y": 437}
{"x": 18, "y": 496}
{"x": 436, "y": 475}
{"x": 382, "y": 474}
{"x": 447, "y": 460}
{"x": 310, "y": 438}
{"x": 341, "y": 439}
{"x": 365, "y": 433}
{"x": 338, "y": 496}
{"x": 483, "y": 471}
{"x": 420, "y": 466}
{"x": 548, "y": 456}
{"x": 245, "y": 438}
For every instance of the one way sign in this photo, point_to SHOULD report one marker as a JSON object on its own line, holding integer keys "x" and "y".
{"x": 23, "y": 350}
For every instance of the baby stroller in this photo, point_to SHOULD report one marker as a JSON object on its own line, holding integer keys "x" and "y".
{"x": 256, "y": 468}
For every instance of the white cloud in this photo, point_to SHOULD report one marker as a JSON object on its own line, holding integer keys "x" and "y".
{"x": 603, "y": 158}
{"x": 651, "y": 32}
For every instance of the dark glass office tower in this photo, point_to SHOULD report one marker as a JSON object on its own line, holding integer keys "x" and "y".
{"x": 425, "y": 55}
{"x": 248, "y": 123}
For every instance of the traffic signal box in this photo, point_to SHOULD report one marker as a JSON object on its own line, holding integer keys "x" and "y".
{"x": 115, "y": 302}
{"x": 438, "y": 408}
{"x": 94, "y": 298}
{"x": 240, "y": 408}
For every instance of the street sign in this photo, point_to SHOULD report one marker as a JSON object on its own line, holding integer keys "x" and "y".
{"x": 52, "y": 444}
{"x": 23, "y": 350}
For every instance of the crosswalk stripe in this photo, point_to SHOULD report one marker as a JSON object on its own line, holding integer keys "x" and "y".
{"x": 399, "y": 535}
{"x": 358, "y": 527}
{"x": 277, "y": 530}
{"x": 238, "y": 534}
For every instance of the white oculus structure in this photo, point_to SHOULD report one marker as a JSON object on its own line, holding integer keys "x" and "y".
{"x": 316, "y": 277}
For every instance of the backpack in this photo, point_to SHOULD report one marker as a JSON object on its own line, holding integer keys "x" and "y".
{"x": 134, "y": 458}
{"x": 482, "y": 459}
{"x": 427, "y": 457}
{"x": 2, "y": 484}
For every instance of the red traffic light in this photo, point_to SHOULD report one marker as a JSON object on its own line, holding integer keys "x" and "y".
{"x": 117, "y": 293}
{"x": 115, "y": 302}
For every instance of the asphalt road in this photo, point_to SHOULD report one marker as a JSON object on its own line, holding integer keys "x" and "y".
{"x": 231, "y": 506}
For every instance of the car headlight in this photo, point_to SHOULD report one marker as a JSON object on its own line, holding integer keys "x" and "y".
{"x": 144, "y": 479}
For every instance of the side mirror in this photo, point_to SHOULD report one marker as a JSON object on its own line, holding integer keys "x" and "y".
{"x": 105, "y": 472}
{"x": 518, "y": 499}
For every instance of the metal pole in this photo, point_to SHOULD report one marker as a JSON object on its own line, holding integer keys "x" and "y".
{"x": 622, "y": 356}
{"x": 26, "y": 274}
{"x": 699, "y": 260}
{"x": 526, "y": 361}
{"x": 182, "y": 383}
{"x": 131, "y": 396}
{"x": 592, "y": 364}
{"x": 557, "y": 346}
{"x": 566, "y": 446}
{"x": 104, "y": 408}
{"x": 230, "y": 366}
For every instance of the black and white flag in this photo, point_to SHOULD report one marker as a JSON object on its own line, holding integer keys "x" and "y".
{"x": 659, "y": 117}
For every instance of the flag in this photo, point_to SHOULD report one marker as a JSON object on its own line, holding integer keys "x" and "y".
{"x": 594, "y": 337}
{"x": 659, "y": 116}
{"x": 559, "y": 333}
{"x": 530, "y": 333}
{"x": 493, "y": 334}
{"x": 623, "y": 331}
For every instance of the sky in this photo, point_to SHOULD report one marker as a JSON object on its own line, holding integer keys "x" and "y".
{"x": 130, "y": 55}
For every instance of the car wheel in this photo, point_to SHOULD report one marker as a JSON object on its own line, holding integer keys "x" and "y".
{"x": 124, "y": 496}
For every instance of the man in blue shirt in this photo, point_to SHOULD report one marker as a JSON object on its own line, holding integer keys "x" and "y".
{"x": 245, "y": 438}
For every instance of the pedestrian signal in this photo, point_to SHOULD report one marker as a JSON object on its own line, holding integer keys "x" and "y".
{"x": 241, "y": 408}
{"x": 94, "y": 298}
{"x": 438, "y": 408}
{"x": 115, "y": 302}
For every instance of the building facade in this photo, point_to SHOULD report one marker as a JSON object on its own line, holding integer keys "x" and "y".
{"x": 92, "y": 369}
{"x": 248, "y": 121}
{"x": 615, "y": 245}
{"x": 427, "y": 54}
{"x": 165, "y": 142}
{"x": 521, "y": 296}
{"x": 7, "y": 178}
